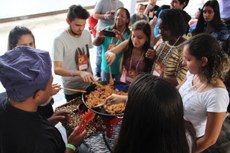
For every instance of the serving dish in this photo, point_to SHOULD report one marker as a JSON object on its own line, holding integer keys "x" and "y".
{"x": 120, "y": 86}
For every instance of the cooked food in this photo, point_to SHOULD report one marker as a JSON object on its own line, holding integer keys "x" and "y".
{"x": 115, "y": 108}
{"x": 99, "y": 96}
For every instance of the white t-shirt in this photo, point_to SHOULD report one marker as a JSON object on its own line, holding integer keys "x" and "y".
{"x": 197, "y": 104}
{"x": 65, "y": 49}
{"x": 103, "y": 6}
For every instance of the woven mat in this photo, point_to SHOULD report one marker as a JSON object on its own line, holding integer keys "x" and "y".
{"x": 75, "y": 117}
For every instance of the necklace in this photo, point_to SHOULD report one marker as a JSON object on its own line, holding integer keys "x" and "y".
{"x": 200, "y": 86}
{"x": 165, "y": 58}
{"x": 131, "y": 60}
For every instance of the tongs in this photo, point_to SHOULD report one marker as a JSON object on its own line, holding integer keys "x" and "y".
{"x": 98, "y": 84}
{"x": 75, "y": 90}
{"x": 86, "y": 118}
{"x": 111, "y": 81}
{"x": 99, "y": 105}
{"x": 108, "y": 104}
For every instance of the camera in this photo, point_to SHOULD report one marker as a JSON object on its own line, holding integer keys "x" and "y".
{"x": 112, "y": 12}
{"x": 109, "y": 33}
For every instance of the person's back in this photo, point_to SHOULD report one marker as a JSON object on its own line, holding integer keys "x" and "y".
{"x": 23, "y": 128}
{"x": 28, "y": 132}
{"x": 153, "y": 119}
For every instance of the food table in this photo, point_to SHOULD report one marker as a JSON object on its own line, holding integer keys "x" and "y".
{"x": 102, "y": 132}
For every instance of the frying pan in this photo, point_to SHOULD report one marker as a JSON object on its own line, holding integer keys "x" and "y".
{"x": 100, "y": 110}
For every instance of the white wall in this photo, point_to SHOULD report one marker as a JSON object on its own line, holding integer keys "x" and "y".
{"x": 130, "y": 5}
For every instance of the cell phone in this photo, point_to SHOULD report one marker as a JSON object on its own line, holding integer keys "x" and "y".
{"x": 112, "y": 13}
{"x": 109, "y": 33}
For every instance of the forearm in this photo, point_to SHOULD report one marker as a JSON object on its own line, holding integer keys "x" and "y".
{"x": 118, "y": 49}
{"x": 98, "y": 41}
{"x": 71, "y": 148}
{"x": 212, "y": 130}
{"x": 123, "y": 98}
{"x": 204, "y": 143}
{"x": 148, "y": 7}
{"x": 65, "y": 72}
{"x": 98, "y": 16}
{"x": 146, "y": 11}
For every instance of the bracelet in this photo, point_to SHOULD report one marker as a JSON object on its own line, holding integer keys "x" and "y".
{"x": 71, "y": 72}
{"x": 70, "y": 146}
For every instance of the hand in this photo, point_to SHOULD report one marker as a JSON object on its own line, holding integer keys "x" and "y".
{"x": 75, "y": 139}
{"x": 151, "y": 53}
{"x": 114, "y": 98}
{"x": 108, "y": 15}
{"x": 55, "y": 89}
{"x": 119, "y": 35}
{"x": 150, "y": 6}
{"x": 87, "y": 76}
{"x": 110, "y": 57}
{"x": 58, "y": 116}
{"x": 101, "y": 34}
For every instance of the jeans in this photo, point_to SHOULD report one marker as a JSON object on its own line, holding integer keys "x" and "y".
{"x": 105, "y": 76}
{"x": 98, "y": 59}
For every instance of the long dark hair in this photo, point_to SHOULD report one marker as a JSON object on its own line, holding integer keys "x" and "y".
{"x": 153, "y": 119}
{"x": 145, "y": 27}
{"x": 16, "y": 33}
{"x": 216, "y": 22}
{"x": 204, "y": 45}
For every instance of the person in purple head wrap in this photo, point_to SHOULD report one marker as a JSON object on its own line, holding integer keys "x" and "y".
{"x": 26, "y": 75}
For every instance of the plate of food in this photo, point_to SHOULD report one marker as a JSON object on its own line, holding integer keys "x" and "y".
{"x": 95, "y": 98}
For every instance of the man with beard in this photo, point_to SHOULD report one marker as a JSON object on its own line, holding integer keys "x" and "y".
{"x": 71, "y": 53}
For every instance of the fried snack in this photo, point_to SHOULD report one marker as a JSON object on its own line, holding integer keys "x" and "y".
{"x": 99, "y": 96}
{"x": 115, "y": 108}
{"x": 74, "y": 117}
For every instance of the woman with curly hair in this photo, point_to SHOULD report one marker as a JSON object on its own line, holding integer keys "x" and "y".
{"x": 204, "y": 94}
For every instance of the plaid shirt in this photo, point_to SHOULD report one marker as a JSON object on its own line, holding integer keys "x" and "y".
{"x": 222, "y": 34}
